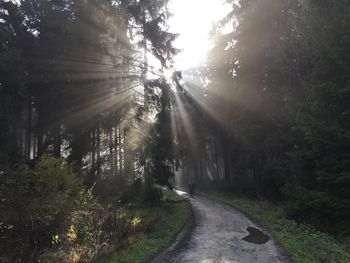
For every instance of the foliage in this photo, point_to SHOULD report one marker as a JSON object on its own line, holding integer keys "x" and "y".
{"x": 279, "y": 88}
{"x": 116, "y": 191}
{"x": 159, "y": 225}
{"x": 70, "y": 73}
{"x": 35, "y": 206}
{"x": 48, "y": 216}
{"x": 307, "y": 205}
{"x": 160, "y": 148}
{"x": 152, "y": 194}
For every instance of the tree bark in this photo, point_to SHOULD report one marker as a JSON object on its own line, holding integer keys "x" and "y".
{"x": 121, "y": 164}
{"x": 93, "y": 154}
{"x": 57, "y": 141}
{"x": 28, "y": 134}
{"x": 98, "y": 149}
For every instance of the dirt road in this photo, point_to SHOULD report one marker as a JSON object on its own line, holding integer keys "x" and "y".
{"x": 222, "y": 234}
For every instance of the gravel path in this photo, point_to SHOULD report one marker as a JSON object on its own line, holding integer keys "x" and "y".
{"x": 219, "y": 235}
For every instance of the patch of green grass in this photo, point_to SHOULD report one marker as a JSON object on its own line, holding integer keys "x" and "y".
{"x": 303, "y": 243}
{"x": 168, "y": 218}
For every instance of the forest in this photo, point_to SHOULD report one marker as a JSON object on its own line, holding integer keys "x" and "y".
{"x": 95, "y": 116}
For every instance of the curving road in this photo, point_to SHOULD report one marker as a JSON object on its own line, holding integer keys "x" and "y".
{"x": 221, "y": 234}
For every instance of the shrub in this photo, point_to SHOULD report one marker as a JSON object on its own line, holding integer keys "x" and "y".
{"x": 152, "y": 194}
{"x": 35, "y": 206}
{"x": 46, "y": 215}
{"x": 318, "y": 208}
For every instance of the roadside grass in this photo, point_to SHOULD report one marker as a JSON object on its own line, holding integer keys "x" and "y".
{"x": 163, "y": 222}
{"x": 303, "y": 243}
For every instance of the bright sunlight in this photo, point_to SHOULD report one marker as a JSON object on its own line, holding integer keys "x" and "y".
{"x": 193, "y": 20}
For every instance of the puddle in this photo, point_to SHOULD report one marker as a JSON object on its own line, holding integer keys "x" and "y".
{"x": 256, "y": 236}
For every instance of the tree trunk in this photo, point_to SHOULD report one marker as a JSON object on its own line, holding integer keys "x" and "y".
{"x": 216, "y": 157}
{"x": 117, "y": 153}
{"x": 28, "y": 134}
{"x": 57, "y": 141}
{"x": 40, "y": 146}
{"x": 111, "y": 153}
{"x": 121, "y": 165}
{"x": 98, "y": 149}
{"x": 93, "y": 154}
{"x": 227, "y": 160}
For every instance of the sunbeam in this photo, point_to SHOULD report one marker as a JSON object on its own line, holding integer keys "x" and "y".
{"x": 194, "y": 27}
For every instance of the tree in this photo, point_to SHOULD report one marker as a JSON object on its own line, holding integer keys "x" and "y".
{"x": 278, "y": 88}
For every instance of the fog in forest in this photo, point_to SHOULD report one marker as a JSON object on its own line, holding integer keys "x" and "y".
{"x": 108, "y": 107}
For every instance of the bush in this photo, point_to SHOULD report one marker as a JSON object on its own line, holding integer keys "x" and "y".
{"x": 318, "y": 208}
{"x": 46, "y": 215}
{"x": 35, "y": 206}
{"x": 152, "y": 194}
{"x": 110, "y": 189}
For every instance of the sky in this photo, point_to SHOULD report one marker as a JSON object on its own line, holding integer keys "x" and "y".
{"x": 193, "y": 20}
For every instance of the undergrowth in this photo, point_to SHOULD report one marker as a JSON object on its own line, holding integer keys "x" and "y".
{"x": 159, "y": 224}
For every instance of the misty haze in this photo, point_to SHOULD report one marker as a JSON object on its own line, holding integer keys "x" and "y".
{"x": 174, "y": 131}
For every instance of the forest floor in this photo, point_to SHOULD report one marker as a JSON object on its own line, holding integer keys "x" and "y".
{"x": 164, "y": 221}
{"x": 303, "y": 243}
{"x": 223, "y": 234}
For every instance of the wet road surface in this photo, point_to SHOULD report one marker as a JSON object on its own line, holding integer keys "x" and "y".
{"x": 221, "y": 234}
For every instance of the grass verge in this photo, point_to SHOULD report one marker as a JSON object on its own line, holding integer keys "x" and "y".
{"x": 164, "y": 221}
{"x": 303, "y": 243}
